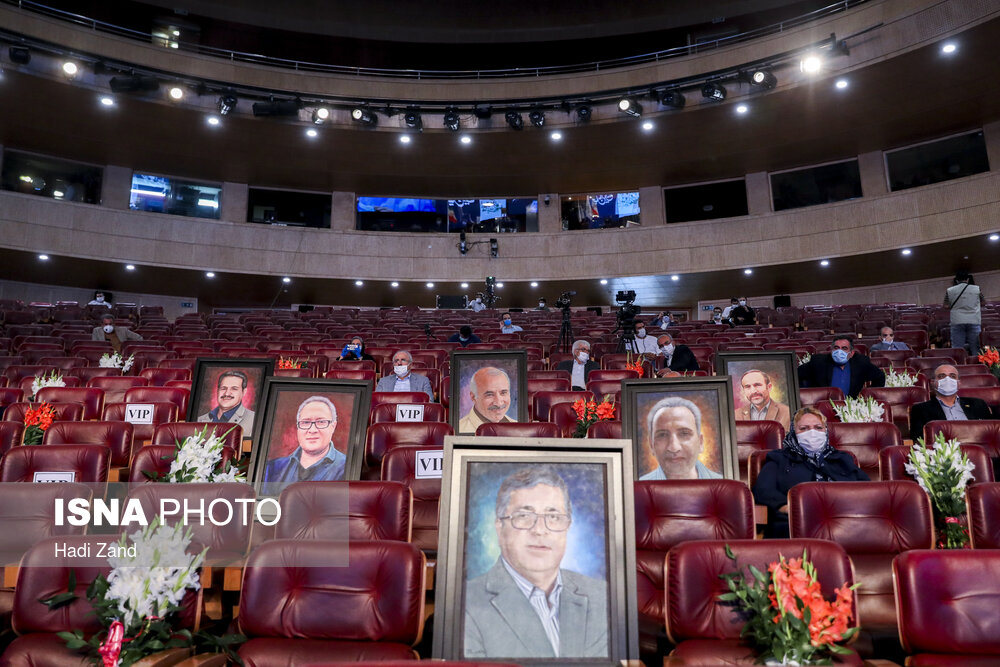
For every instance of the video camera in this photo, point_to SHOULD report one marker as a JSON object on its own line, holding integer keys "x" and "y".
{"x": 628, "y": 310}
{"x": 564, "y": 300}
{"x": 489, "y": 296}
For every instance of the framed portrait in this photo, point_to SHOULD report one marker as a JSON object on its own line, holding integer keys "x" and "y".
{"x": 488, "y": 386}
{"x": 228, "y": 390}
{"x": 764, "y": 383}
{"x": 681, "y": 428}
{"x": 310, "y": 430}
{"x": 553, "y": 517}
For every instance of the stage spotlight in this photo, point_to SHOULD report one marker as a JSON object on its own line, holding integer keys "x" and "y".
{"x": 463, "y": 247}
{"x": 584, "y": 112}
{"x": 70, "y": 68}
{"x": 413, "y": 120}
{"x": 226, "y": 104}
{"x": 537, "y": 117}
{"x": 763, "y": 79}
{"x": 494, "y": 248}
{"x": 176, "y": 93}
{"x": 452, "y": 121}
{"x": 133, "y": 84}
{"x": 811, "y": 64}
{"x": 630, "y": 106}
{"x": 673, "y": 99}
{"x": 713, "y": 91}
{"x": 277, "y": 108}
{"x": 364, "y": 115}
{"x": 19, "y": 54}
{"x": 514, "y": 120}
{"x": 320, "y": 115}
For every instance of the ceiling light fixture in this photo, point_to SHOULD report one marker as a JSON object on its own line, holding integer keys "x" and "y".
{"x": 537, "y": 117}
{"x": 70, "y": 68}
{"x": 209, "y": 274}
{"x": 312, "y": 133}
{"x": 365, "y": 116}
{"x": 286, "y": 280}
{"x": 499, "y": 285}
{"x": 748, "y": 271}
{"x": 494, "y": 248}
{"x": 825, "y": 262}
{"x": 534, "y": 284}
{"x": 604, "y": 281}
{"x": 413, "y": 120}
{"x": 948, "y": 48}
{"x": 43, "y": 258}
{"x": 713, "y": 91}
{"x": 227, "y": 103}
{"x": 841, "y": 84}
{"x": 647, "y": 125}
{"x": 584, "y": 112}
{"x": 130, "y": 267}
{"x": 556, "y": 135}
{"x": 176, "y": 93}
{"x": 629, "y": 106}
{"x": 466, "y": 139}
{"x": 359, "y": 283}
{"x": 404, "y": 138}
{"x": 675, "y": 277}
{"x": 107, "y": 101}
{"x": 742, "y": 108}
{"x": 672, "y": 98}
{"x": 994, "y": 237}
{"x": 907, "y": 251}
{"x": 811, "y": 64}
{"x": 452, "y": 120}
{"x": 393, "y": 284}
{"x": 213, "y": 121}
{"x": 429, "y": 285}
{"x": 763, "y": 79}
{"x": 514, "y": 120}
{"x": 320, "y": 115}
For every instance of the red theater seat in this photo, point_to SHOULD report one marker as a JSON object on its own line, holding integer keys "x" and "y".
{"x": 115, "y": 386}
{"x": 115, "y": 434}
{"x": 606, "y": 429}
{"x": 707, "y": 631}
{"x": 873, "y": 521}
{"x": 543, "y": 401}
{"x": 831, "y": 414}
{"x": 400, "y": 465}
{"x": 295, "y": 593}
{"x": 89, "y": 463}
{"x": 88, "y": 373}
{"x": 892, "y": 463}
{"x": 900, "y": 399}
{"x": 983, "y": 502}
{"x": 755, "y": 436}
{"x": 354, "y": 374}
{"x": 536, "y": 385}
{"x": 11, "y": 434}
{"x": 388, "y": 435}
{"x": 17, "y": 373}
{"x": 174, "y": 395}
{"x": 159, "y": 377}
{"x": 519, "y": 430}
{"x": 141, "y": 433}
{"x": 386, "y": 412}
{"x": 989, "y": 394}
{"x": 947, "y": 603}
{"x": 156, "y": 460}
{"x": 818, "y": 395}
{"x": 617, "y": 374}
{"x": 27, "y": 514}
{"x": 985, "y": 433}
{"x": 63, "y": 411}
{"x": 359, "y": 511}
{"x": 172, "y": 433}
{"x": 380, "y": 397}
{"x": 91, "y": 398}
{"x": 865, "y": 441}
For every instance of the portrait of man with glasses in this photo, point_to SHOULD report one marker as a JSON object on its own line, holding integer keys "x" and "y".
{"x": 315, "y": 459}
{"x": 526, "y": 605}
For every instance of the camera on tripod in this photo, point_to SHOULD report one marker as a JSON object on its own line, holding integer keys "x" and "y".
{"x": 628, "y": 310}
{"x": 564, "y": 300}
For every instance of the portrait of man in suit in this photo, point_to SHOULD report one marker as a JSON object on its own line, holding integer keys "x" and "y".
{"x": 759, "y": 404}
{"x": 489, "y": 390}
{"x": 230, "y": 389}
{"x": 315, "y": 459}
{"x": 677, "y": 440}
{"x": 527, "y": 605}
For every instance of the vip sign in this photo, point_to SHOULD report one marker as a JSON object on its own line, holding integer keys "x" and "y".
{"x": 49, "y": 477}
{"x": 139, "y": 413}
{"x": 429, "y": 464}
{"x": 409, "y": 413}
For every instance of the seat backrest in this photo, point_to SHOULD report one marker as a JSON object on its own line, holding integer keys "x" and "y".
{"x": 693, "y": 610}
{"x": 900, "y": 399}
{"x": 364, "y": 511}
{"x": 162, "y": 412}
{"x": 386, "y": 412}
{"x": 828, "y": 411}
{"x": 15, "y": 412}
{"x": 172, "y": 433}
{"x": 27, "y": 514}
{"x": 400, "y": 465}
{"x": 91, "y": 398}
{"x": 602, "y": 388}
{"x": 386, "y": 435}
{"x": 115, "y": 386}
{"x": 10, "y": 395}
{"x": 519, "y": 430}
{"x": 547, "y": 384}
{"x": 984, "y": 432}
{"x": 983, "y": 503}
{"x": 947, "y": 601}
{"x": 752, "y": 436}
{"x": 116, "y": 435}
{"x": 818, "y": 395}
{"x": 16, "y": 373}
{"x": 174, "y": 395}
{"x": 670, "y": 512}
{"x": 606, "y": 429}
{"x": 228, "y": 542}
{"x": 617, "y": 374}
{"x": 989, "y": 394}
{"x": 382, "y": 584}
{"x": 379, "y": 397}
{"x": 354, "y": 374}
{"x": 542, "y": 401}
{"x": 11, "y": 434}
{"x": 540, "y": 374}
{"x": 892, "y": 463}
{"x": 865, "y": 441}
{"x": 89, "y": 463}
{"x": 970, "y": 381}
{"x": 873, "y": 521}
{"x": 158, "y": 376}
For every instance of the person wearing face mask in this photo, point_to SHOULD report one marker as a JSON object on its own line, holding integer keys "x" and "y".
{"x": 842, "y": 368}
{"x": 670, "y": 357}
{"x": 662, "y": 320}
{"x": 107, "y": 331}
{"x": 888, "y": 341}
{"x": 733, "y": 303}
{"x": 805, "y": 456}
{"x": 477, "y": 304}
{"x": 742, "y": 314}
{"x": 402, "y": 379}
{"x": 464, "y": 337}
{"x": 355, "y": 351}
{"x": 717, "y": 316}
{"x": 541, "y": 304}
{"x": 579, "y": 366}
{"x": 99, "y": 300}
{"x": 644, "y": 343}
{"x": 965, "y": 300}
{"x": 507, "y": 326}
{"x": 945, "y": 403}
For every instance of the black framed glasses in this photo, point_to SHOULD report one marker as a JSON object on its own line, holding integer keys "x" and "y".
{"x": 524, "y": 520}
{"x": 318, "y": 423}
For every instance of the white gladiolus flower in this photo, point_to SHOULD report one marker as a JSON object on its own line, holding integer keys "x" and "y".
{"x": 197, "y": 458}
{"x": 857, "y": 410}
{"x": 53, "y": 379}
{"x": 894, "y": 379}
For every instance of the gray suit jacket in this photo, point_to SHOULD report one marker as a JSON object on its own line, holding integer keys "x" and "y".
{"x": 417, "y": 383}
{"x": 501, "y": 623}
{"x": 123, "y": 334}
{"x": 242, "y": 416}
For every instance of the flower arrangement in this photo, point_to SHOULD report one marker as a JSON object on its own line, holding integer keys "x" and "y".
{"x": 53, "y": 379}
{"x": 805, "y": 358}
{"x": 288, "y": 362}
{"x": 197, "y": 460}
{"x": 138, "y": 602}
{"x": 862, "y": 409}
{"x": 943, "y": 471}
{"x": 899, "y": 379}
{"x": 634, "y": 365}
{"x": 37, "y": 422}
{"x": 591, "y": 412}
{"x": 116, "y": 361}
{"x": 991, "y": 357}
{"x": 787, "y": 616}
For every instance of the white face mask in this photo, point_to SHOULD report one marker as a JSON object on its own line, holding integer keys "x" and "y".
{"x": 401, "y": 370}
{"x": 583, "y": 357}
{"x": 667, "y": 349}
{"x": 100, "y": 298}
{"x": 541, "y": 304}
{"x": 743, "y": 303}
{"x": 108, "y": 328}
{"x": 812, "y": 440}
{"x": 947, "y": 386}
{"x": 641, "y": 333}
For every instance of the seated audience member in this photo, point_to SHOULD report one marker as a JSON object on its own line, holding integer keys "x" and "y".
{"x": 507, "y": 326}
{"x": 733, "y": 302}
{"x": 464, "y": 337}
{"x": 477, "y": 304}
{"x": 945, "y": 403}
{"x": 888, "y": 341}
{"x": 579, "y": 366}
{"x": 355, "y": 351}
{"x": 742, "y": 314}
{"x": 678, "y": 358}
{"x": 402, "y": 379}
{"x": 805, "y": 456}
{"x": 541, "y": 304}
{"x": 114, "y": 335}
{"x": 842, "y": 368}
{"x": 644, "y": 343}
{"x": 662, "y": 320}
{"x": 99, "y": 300}
{"x": 717, "y": 316}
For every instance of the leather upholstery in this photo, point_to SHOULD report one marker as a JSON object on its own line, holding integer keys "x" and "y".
{"x": 116, "y": 435}
{"x": 616, "y": 374}
{"x": 366, "y": 511}
{"x": 87, "y": 373}
{"x": 157, "y": 459}
{"x": 989, "y": 394}
{"x": 815, "y": 395}
{"x": 563, "y": 416}
{"x": 388, "y": 435}
{"x": 159, "y": 395}
{"x": 608, "y": 429}
{"x": 10, "y": 395}
{"x": 301, "y": 604}
{"x": 158, "y": 376}
{"x": 865, "y": 441}
{"x": 89, "y": 462}
{"x": 379, "y": 397}
{"x": 542, "y": 402}
{"x": 162, "y": 412}
{"x": 547, "y": 384}
{"x": 400, "y": 465}
{"x": 753, "y": 436}
{"x": 831, "y": 415}
{"x": 983, "y": 502}
{"x": 172, "y": 433}
{"x": 227, "y": 543}
{"x": 16, "y": 373}
{"x": 892, "y": 462}
{"x": 115, "y": 386}
{"x": 985, "y": 433}
{"x": 520, "y": 430}
{"x": 928, "y": 364}
{"x": 354, "y": 374}
{"x": 27, "y": 514}
{"x": 386, "y": 412}
{"x": 91, "y": 398}
{"x": 947, "y": 602}
{"x": 602, "y": 388}
{"x": 64, "y": 411}
{"x": 10, "y": 435}
{"x": 900, "y": 399}
{"x": 970, "y": 381}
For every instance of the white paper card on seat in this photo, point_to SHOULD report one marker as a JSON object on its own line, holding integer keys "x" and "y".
{"x": 45, "y": 477}
{"x": 429, "y": 464}
{"x": 407, "y": 412}
{"x": 139, "y": 413}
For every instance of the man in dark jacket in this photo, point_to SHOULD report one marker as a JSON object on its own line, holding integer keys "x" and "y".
{"x": 672, "y": 357}
{"x": 945, "y": 403}
{"x": 579, "y": 366}
{"x": 842, "y": 368}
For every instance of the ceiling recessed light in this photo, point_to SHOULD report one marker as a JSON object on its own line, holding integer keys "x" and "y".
{"x": 130, "y": 267}
{"x": 176, "y": 93}
{"x": 906, "y": 251}
{"x": 465, "y": 285}
{"x": 825, "y": 262}
{"x": 359, "y": 283}
{"x": 949, "y": 47}
{"x": 811, "y": 64}
{"x": 404, "y": 139}
{"x": 107, "y": 101}
{"x": 647, "y": 125}
{"x": 499, "y": 284}
{"x": 70, "y": 68}
{"x": 742, "y": 108}
{"x": 994, "y": 237}
{"x": 44, "y": 258}
{"x": 213, "y": 121}
{"x": 534, "y": 284}
{"x": 311, "y": 133}
{"x": 286, "y": 280}
{"x": 209, "y": 274}
{"x": 556, "y": 135}
{"x": 394, "y": 284}
{"x": 748, "y": 271}
{"x": 604, "y": 281}
{"x": 466, "y": 139}
{"x": 675, "y": 277}
{"x": 841, "y": 84}
{"x": 430, "y": 284}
